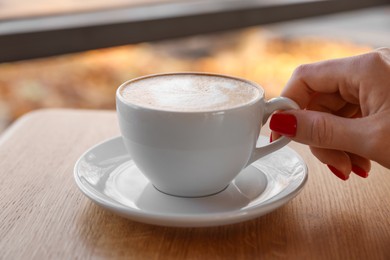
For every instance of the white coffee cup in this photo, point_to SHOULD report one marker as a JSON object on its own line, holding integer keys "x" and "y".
{"x": 190, "y": 150}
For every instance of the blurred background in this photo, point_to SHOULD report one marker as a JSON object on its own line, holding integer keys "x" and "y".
{"x": 266, "y": 54}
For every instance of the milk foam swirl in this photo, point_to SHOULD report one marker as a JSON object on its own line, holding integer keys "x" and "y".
{"x": 189, "y": 92}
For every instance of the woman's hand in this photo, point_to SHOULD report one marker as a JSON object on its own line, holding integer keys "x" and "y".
{"x": 345, "y": 116}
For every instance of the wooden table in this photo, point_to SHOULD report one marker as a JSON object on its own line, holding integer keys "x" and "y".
{"x": 44, "y": 215}
{"x": 41, "y": 28}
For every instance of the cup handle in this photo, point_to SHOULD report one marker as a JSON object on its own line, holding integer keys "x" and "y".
{"x": 279, "y": 103}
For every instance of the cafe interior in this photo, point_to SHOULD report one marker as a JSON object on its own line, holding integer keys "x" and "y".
{"x": 267, "y": 53}
{"x": 70, "y": 57}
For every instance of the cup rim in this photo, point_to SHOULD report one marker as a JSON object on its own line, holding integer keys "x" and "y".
{"x": 136, "y": 106}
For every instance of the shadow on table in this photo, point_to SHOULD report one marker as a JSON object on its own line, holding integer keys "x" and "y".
{"x": 273, "y": 235}
{"x": 110, "y": 235}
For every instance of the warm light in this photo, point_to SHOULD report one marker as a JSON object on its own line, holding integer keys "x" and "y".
{"x": 89, "y": 79}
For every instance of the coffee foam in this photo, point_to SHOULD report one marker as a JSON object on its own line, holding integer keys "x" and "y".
{"x": 189, "y": 92}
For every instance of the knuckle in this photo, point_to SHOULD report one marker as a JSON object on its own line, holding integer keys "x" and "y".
{"x": 301, "y": 70}
{"x": 376, "y": 59}
{"x": 321, "y": 133}
{"x": 384, "y": 51}
{"x": 381, "y": 142}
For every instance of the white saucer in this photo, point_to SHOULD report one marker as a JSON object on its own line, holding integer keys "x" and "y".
{"x": 107, "y": 175}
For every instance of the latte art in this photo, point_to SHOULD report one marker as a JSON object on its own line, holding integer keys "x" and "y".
{"x": 189, "y": 92}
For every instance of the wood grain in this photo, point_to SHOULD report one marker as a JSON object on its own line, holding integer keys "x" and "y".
{"x": 44, "y": 215}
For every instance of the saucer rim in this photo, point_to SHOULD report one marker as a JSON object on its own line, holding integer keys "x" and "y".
{"x": 189, "y": 220}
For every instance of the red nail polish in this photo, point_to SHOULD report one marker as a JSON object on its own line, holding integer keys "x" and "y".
{"x": 338, "y": 173}
{"x": 359, "y": 171}
{"x": 270, "y": 138}
{"x": 284, "y": 124}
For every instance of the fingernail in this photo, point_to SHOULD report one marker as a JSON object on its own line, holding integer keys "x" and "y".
{"x": 338, "y": 173}
{"x": 284, "y": 124}
{"x": 359, "y": 171}
{"x": 270, "y": 138}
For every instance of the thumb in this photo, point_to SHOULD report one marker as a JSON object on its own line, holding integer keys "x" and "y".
{"x": 320, "y": 129}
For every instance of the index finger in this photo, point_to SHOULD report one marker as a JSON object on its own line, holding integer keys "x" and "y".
{"x": 331, "y": 76}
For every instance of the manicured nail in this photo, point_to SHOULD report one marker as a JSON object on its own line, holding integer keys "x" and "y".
{"x": 284, "y": 124}
{"x": 359, "y": 171}
{"x": 270, "y": 138}
{"x": 338, "y": 173}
